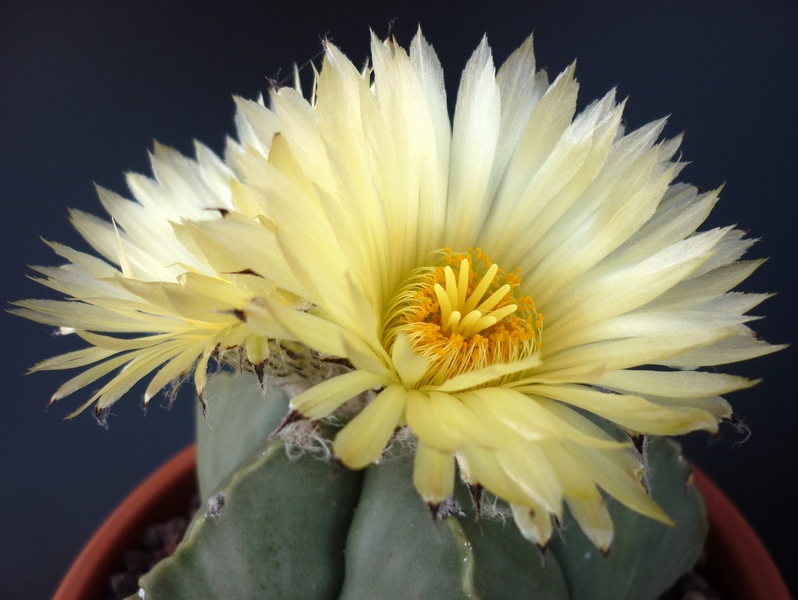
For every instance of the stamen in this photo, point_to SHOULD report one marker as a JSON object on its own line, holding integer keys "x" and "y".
{"x": 439, "y": 311}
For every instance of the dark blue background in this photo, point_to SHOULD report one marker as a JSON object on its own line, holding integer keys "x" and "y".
{"x": 85, "y": 87}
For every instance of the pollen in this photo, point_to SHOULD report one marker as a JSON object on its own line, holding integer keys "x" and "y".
{"x": 463, "y": 315}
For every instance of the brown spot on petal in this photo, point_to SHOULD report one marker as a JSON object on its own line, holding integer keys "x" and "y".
{"x": 222, "y": 211}
{"x": 244, "y": 272}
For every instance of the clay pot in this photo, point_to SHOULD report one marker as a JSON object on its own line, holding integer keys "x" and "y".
{"x": 738, "y": 564}
{"x": 163, "y": 495}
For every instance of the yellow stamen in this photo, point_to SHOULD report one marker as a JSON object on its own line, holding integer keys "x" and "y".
{"x": 442, "y": 313}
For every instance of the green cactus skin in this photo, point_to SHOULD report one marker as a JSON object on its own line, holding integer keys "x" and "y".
{"x": 397, "y": 550}
{"x": 269, "y": 541}
{"x": 307, "y": 528}
{"x": 239, "y": 418}
{"x": 647, "y": 557}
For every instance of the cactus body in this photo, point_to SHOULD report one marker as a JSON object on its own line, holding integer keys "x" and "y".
{"x": 647, "y": 557}
{"x": 307, "y": 528}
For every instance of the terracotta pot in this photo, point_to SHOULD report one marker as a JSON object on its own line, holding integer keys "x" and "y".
{"x": 163, "y": 495}
{"x": 738, "y": 564}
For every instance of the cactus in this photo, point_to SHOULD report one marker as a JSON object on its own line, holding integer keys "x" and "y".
{"x": 279, "y": 526}
{"x": 355, "y": 226}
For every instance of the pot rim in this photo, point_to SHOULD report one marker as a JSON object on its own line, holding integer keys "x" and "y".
{"x": 745, "y": 569}
{"x": 159, "y": 497}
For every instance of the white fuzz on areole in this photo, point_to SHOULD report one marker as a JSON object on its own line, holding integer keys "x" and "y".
{"x": 365, "y": 227}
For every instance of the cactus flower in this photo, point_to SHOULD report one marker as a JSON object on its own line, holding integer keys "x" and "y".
{"x": 486, "y": 283}
{"x": 428, "y": 255}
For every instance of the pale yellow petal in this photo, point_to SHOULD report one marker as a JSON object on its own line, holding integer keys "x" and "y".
{"x": 594, "y": 519}
{"x": 93, "y": 374}
{"x": 70, "y": 360}
{"x": 433, "y": 473}
{"x": 742, "y": 346}
{"x": 410, "y": 366}
{"x": 481, "y": 466}
{"x": 257, "y": 348}
{"x": 425, "y": 423}
{"x": 173, "y": 369}
{"x": 475, "y": 133}
{"x": 527, "y": 465}
{"x": 487, "y": 374}
{"x": 364, "y": 438}
{"x": 632, "y": 412}
{"x": 456, "y": 415}
{"x": 613, "y": 471}
{"x": 534, "y": 523}
{"x": 324, "y": 398}
{"x": 527, "y": 417}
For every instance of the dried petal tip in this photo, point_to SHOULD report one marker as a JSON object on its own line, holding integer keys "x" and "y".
{"x": 203, "y": 405}
{"x": 101, "y": 416}
{"x": 476, "y": 490}
{"x": 260, "y": 371}
{"x": 544, "y": 548}
{"x": 293, "y": 416}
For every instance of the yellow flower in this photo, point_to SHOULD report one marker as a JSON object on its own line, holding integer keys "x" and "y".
{"x": 489, "y": 281}
{"x": 160, "y": 305}
{"x": 427, "y": 255}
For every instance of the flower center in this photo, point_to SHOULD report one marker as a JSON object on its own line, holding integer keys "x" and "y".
{"x": 463, "y": 316}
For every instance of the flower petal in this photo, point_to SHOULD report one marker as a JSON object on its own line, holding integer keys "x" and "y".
{"x": 324, "y": 398}
{"x": 594, "y": 519}
{"x": 474, "y": 138}
{"x": 433, "y": 473}
{"x": 631, "y": 412}
{"x": 425, "y": 424}
{"x": 410, "y": 366}
{"x": 364, "y": 438}
{"x": 487, "y": 374}
{"x": 534, "y": 523}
